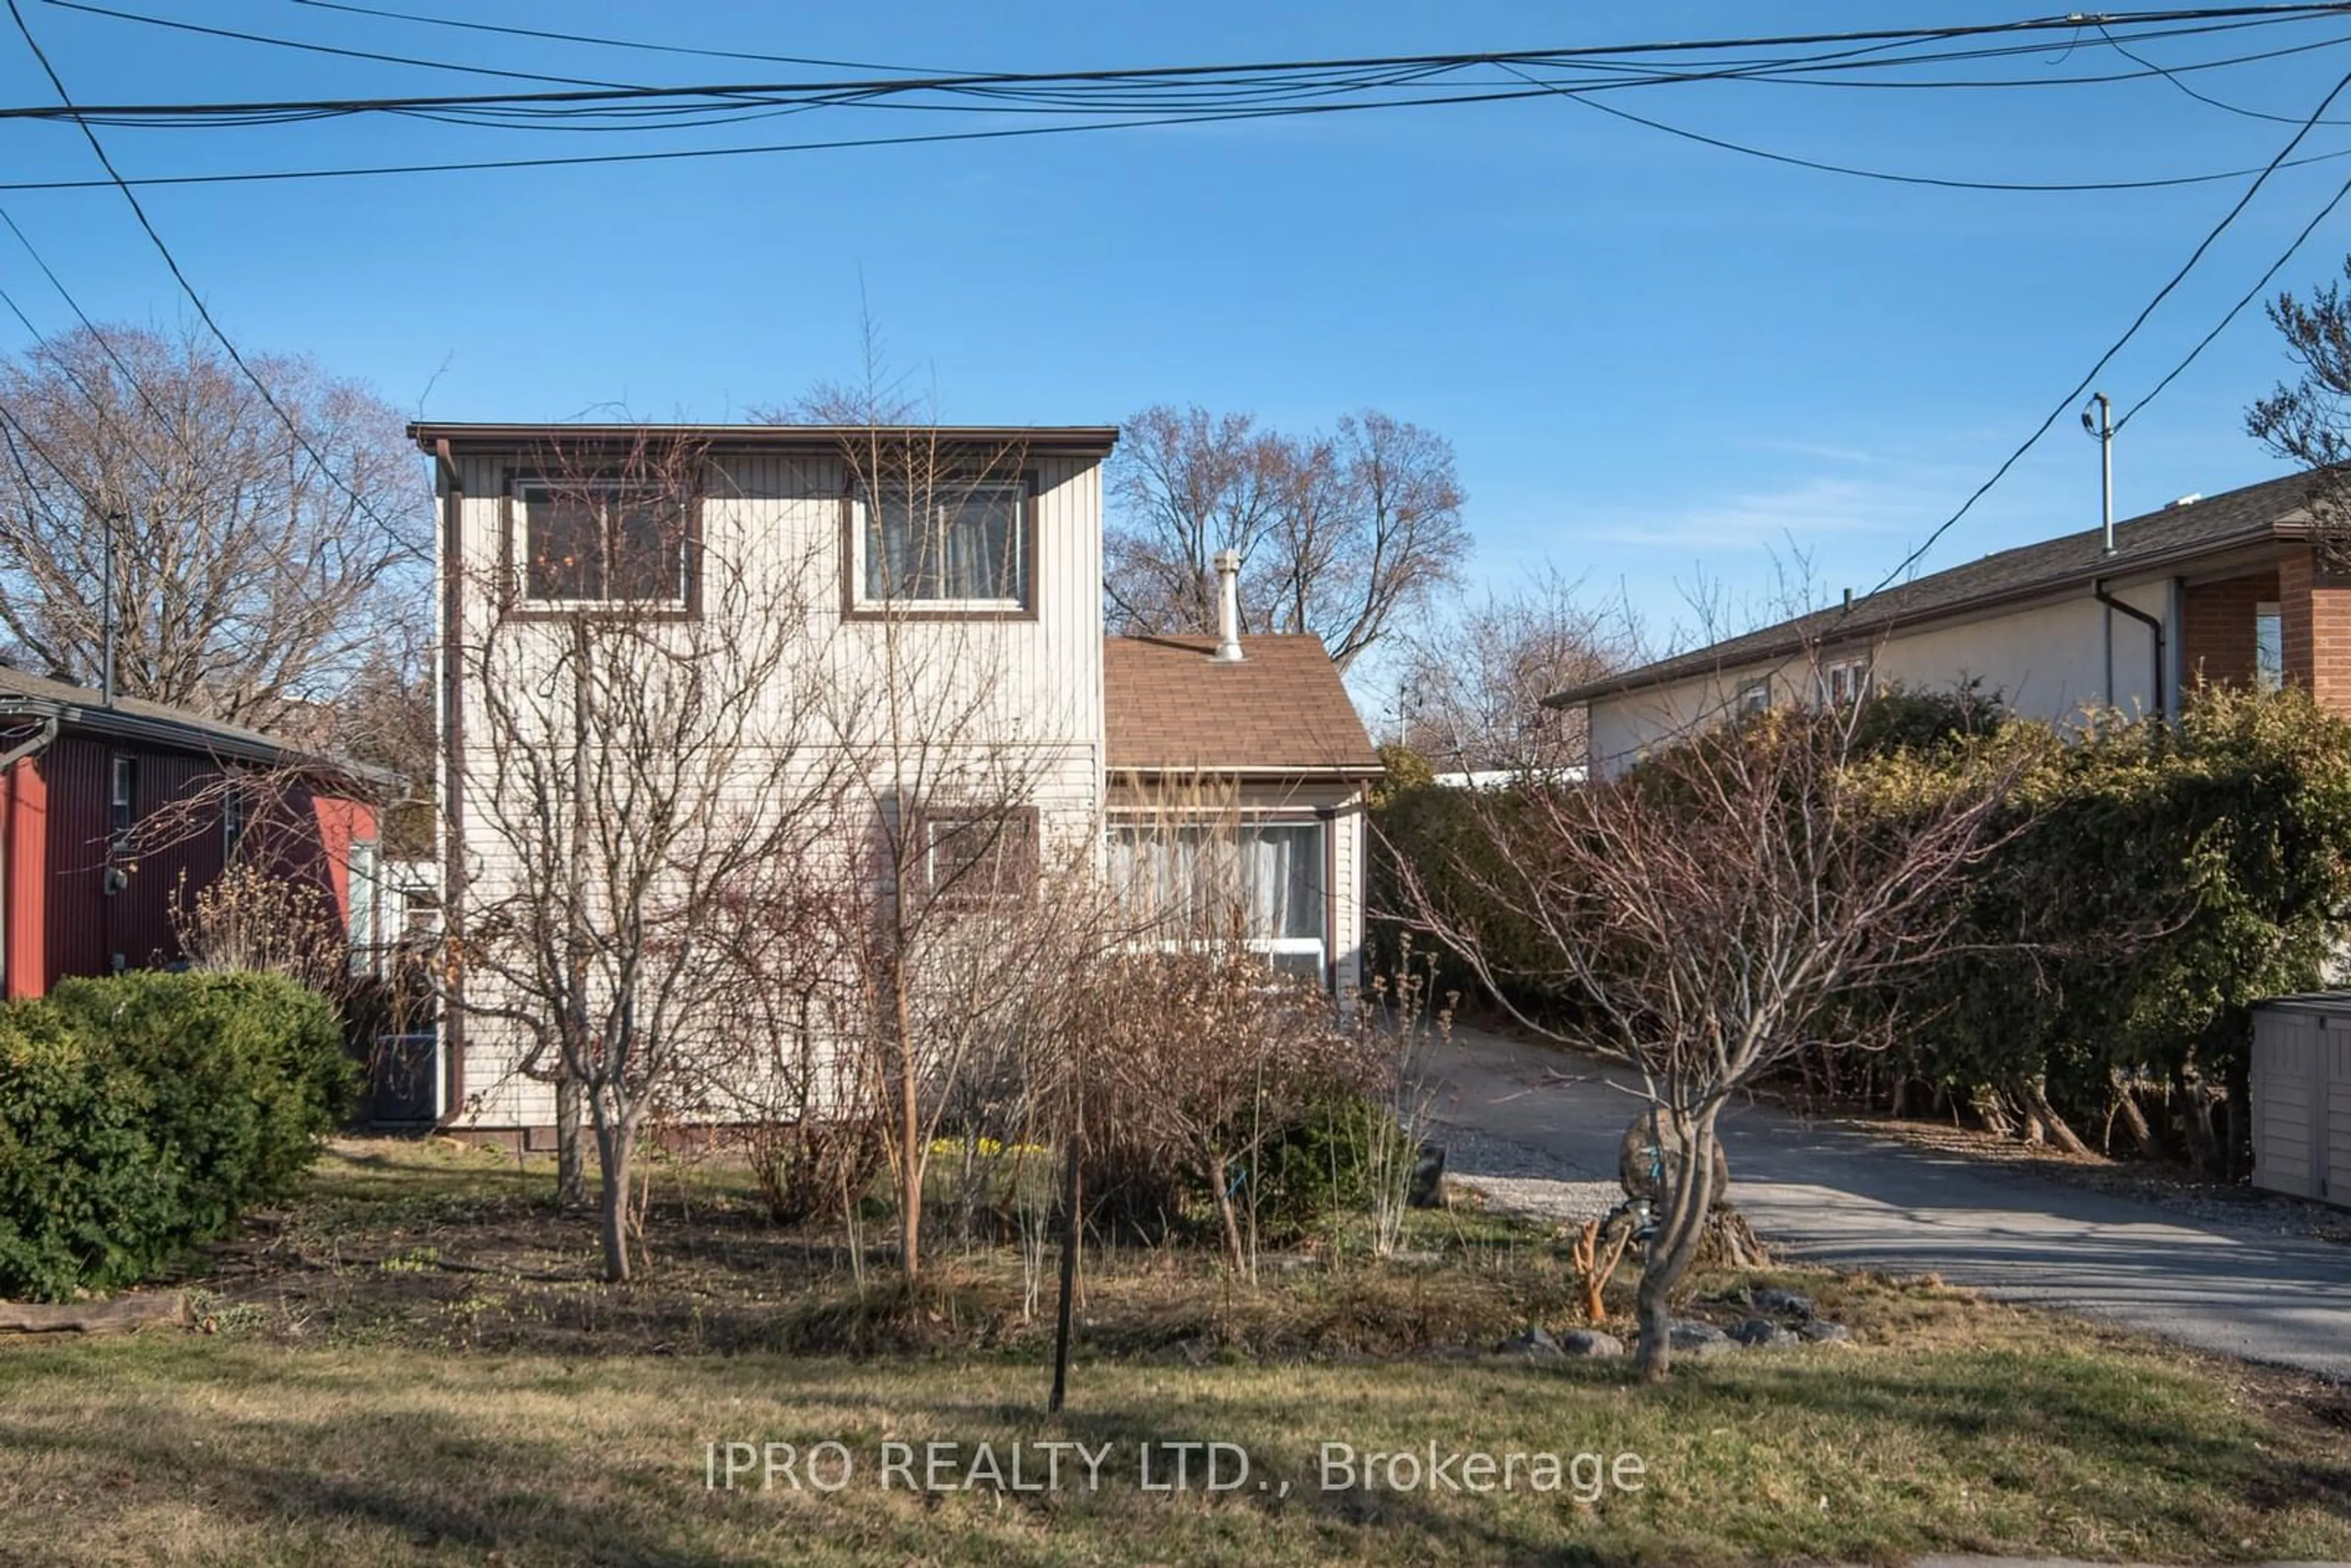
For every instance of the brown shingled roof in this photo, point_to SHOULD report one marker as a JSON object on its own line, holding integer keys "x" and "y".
{"x": 1282, "y": 709}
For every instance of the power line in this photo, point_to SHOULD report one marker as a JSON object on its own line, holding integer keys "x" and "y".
{"x": 2066, "y": 403}
{"x": 612, "y": 42}
{"x": 234, "y": 33}
{"x": 1897, "y": 177}
{"x": 2236, "y": 310}
{"x": 2164, "y": 182}
{"x": 203, "y": 311}
{"x": 592, "y": 92}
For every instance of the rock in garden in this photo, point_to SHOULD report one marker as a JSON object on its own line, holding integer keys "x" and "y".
{"x": 1590, "y": 1341}
{"x": 1773, "y": 1302}
{"x": 1821, "y": 1332}
{"x": 1689, "y": 1334}
{"x": 1534, "y": 1344}
{"x": 1758, "y": 1333}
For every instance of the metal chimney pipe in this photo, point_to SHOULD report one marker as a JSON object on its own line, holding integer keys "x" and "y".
{"x": 1228, "y": 606}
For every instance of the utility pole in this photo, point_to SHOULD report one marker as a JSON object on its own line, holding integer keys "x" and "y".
{"x": 2103, "y": 430}
{"x": 106, "y": 614}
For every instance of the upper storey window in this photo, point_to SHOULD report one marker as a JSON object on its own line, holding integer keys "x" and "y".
{"x": 584, "y": 544}
{"x": 958, "y": 544}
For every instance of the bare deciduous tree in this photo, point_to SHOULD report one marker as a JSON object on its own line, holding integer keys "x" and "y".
{"x": 1710, "y": 914}
{"x": 1471, "y": 690}
{"x": 1345, "y": 535}
{"x": 2308, "y": 421}
{"x": 958, "y": 909}
{"x": 250, "y": 586}
{"x": 638, "y": 775}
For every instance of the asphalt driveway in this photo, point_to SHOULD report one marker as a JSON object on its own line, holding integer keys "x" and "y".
{"x": 1835, "y": 1193}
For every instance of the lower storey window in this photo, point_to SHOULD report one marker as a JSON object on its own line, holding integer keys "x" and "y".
{"x": 1260, "y": 882}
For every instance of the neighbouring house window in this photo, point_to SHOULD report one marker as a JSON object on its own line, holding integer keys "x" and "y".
{"x": 978, "y": 857}
{"x": 233, "y": 816}
{"x": 1263, "y": 880}
{"x": 2269, "y": 648}
{"x": 1844, "y": 681}
{"x": 1754, "y": 697}
{"x": 366, "y": 904}
{"x": 123, "y": 800}
{"x": 600, "y": 542}
{"x": 959, "y": 543}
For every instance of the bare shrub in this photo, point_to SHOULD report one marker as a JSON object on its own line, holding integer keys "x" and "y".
{"x": 252, "y": 920}
{"x": 1192, "y": 1061}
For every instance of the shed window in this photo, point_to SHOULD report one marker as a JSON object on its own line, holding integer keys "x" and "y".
{"x": 1754, "y": 697}
{"x": 233, "y": 819}
{"x": 123, "y": 800}
{"x": 964, "y": 542}
{"x": 604, "y": 542}
{"x": 2269, "y": 648}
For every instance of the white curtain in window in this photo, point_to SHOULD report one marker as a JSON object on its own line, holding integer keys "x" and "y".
{"x": 1272, "y": 873}
{"x": 962, "y": 546}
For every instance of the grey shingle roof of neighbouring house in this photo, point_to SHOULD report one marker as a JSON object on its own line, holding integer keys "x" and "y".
{"x": 2273, "y": 509}
{"x": 135, "y": 718}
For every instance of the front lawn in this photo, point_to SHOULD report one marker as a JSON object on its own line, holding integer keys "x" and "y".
{"x": 410, "y": 1367}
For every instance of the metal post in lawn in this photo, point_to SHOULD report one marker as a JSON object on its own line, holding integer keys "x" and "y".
{"x": 1069, "y": 1265}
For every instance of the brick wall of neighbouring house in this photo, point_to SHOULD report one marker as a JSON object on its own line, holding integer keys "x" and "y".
{"x": 2216, "y": 628}
{"x": 2316, "y": 614}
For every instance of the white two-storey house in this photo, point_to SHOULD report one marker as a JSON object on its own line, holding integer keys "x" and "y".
{"x": 906, "y": 622}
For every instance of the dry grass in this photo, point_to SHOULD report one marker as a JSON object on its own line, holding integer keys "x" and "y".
{"x": 372, "y": 1431}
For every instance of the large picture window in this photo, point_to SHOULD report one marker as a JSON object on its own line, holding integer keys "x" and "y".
{"x": 960, "y": 543}
{"x": 597, "y": 543}
{"x": 1263, "y": 880}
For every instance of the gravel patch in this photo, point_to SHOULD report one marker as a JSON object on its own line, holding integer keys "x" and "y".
{"x": 1513, "y": 1178}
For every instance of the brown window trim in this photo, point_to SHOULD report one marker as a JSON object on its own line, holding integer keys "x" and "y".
{"x": 514, "y": 606}
{"x": 1017, "y": 833}
{"x": 852, "y": 608}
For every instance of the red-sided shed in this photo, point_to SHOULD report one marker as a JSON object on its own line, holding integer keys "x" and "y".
{"x": 114, "y": 817}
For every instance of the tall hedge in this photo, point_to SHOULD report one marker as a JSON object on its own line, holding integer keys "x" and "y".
{"x": 139, "y": 1115}
{"x": 2159, "y": 880}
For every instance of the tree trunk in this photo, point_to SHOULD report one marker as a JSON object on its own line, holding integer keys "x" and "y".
{"x": 2237, "y": 1143}
{"x": 1681, "y": 1230}
{"x": 1654, "y": 1353}
{"x": 2134, "y": 1120}
{"x": 571, "y": 1146}
{"x": 910, "y": 1135}
{"x": 1219, "y": 1179}
{"x": 2052, "y": 1122}
{"x": 614, "y": 1150}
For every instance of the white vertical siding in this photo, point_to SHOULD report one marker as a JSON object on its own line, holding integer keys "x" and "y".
{"x": 1023, "y": 697}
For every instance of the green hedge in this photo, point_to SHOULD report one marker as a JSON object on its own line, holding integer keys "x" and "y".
{"x": 139, "y": 1115}
{"x": 2161, "y": 879}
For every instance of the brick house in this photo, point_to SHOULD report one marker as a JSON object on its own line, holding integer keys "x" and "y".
{"x": 2219, "y": 589}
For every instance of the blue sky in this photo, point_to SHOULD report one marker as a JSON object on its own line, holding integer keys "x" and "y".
{"x": 1659, "y": 362}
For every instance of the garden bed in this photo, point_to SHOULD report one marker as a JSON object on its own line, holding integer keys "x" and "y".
{"x": 415, "y": 1363}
